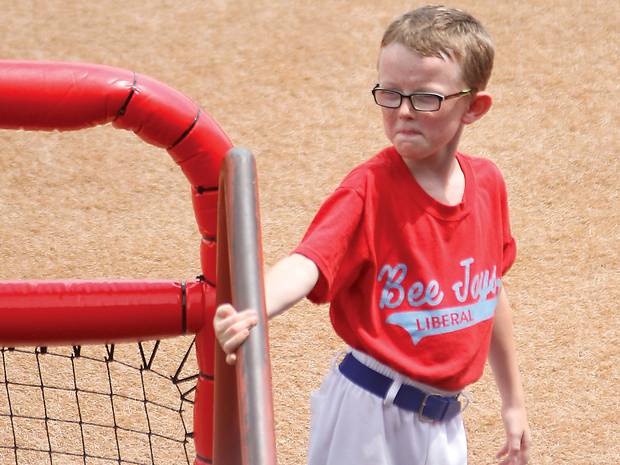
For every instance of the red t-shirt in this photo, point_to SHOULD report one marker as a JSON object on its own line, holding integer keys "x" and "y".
{"x": 410, "y": 281}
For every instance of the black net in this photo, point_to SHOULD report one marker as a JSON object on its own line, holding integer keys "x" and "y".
{"x": 98, "y": 405}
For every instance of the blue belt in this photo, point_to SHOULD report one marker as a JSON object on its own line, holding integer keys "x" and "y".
{"x": 428, "y": 406}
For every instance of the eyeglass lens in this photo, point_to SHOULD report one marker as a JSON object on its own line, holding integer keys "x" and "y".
{"x": 392, "y": 99}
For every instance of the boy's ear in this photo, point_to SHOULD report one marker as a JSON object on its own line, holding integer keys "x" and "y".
{"x": 479, "y": 105}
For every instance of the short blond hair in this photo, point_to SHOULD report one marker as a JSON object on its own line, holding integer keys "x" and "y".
{"x": 443, "y": 32}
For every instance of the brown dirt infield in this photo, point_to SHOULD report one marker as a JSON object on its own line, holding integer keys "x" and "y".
{"x": 290, "y": 80}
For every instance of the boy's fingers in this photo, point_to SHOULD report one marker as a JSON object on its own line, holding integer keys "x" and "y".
{"x": 514, "y": 453}
{"x": 232, "y": 328}
{"x": 523, "y": 455}
{"x": 226, "y": 317}
{"x": 233, "y": 342}
{"x": 503, "y": 451}
{"x": 224, "y": 311}
{"x": 238, "y": 322}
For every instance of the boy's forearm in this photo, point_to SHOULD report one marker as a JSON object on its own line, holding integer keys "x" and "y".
{"x": 503, "y": 358}
{"x": 289, "y": 281}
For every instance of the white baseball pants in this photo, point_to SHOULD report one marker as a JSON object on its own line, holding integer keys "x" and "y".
{"x": 351, "y": 426}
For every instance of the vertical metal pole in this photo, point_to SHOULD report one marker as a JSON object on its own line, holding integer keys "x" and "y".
{"x": 239, "y": 188}
{"x": 226, "y": 435}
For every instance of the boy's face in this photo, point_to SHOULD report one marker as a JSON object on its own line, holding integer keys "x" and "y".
{"x": 418, "y": 136}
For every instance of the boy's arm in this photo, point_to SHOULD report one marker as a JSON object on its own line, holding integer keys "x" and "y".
{"x": 503, "y": 360}
{"x": 286, "y": 283}
{"x": 289, "y": 281}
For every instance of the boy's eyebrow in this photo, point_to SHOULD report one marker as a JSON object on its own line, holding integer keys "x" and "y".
{"x": 389, "y": 86}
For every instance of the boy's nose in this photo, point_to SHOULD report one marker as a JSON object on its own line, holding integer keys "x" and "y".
{"x": 406, "y": 108}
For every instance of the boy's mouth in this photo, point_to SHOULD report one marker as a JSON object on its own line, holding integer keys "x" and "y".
{"x": 408, "y": 132}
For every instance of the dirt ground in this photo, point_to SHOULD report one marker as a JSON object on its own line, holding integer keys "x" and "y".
{"x": 291, "y": 81}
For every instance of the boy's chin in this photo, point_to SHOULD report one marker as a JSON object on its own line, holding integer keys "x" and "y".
{"x": 411, "y": 152}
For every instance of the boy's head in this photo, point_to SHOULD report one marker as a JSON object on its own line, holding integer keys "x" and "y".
{"x": 442, "y": 32}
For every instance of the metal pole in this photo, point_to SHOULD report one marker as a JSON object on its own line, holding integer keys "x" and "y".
{"x": 253, "y": 371}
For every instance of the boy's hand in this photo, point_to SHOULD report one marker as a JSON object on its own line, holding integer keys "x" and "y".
{"x": 516, "y": 449}
{"x": 232, "y": 328}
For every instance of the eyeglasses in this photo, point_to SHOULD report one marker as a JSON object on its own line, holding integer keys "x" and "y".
{"x": 421, "y": 101}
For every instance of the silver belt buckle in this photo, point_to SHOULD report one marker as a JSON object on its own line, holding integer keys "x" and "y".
{"x": 423, "y": 417}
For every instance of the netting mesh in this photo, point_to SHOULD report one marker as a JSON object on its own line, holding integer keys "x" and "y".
{"x": 98, "y": 405}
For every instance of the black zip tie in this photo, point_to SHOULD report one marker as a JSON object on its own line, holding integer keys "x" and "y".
{"x": 123, "y": 109}
{"x": 202, "y": 279}
{"x": 186, "y": 132}
{"x": 77, "y": 350}
{"x": 203, "y": 458}
{"x": 206, "y": 376}
{"x": 202, "y": 189}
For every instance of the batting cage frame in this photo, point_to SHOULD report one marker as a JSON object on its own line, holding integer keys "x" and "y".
{"x": 232, "y": 406}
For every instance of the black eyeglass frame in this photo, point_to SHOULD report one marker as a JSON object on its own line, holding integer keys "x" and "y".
{"x": 441, "y": 98}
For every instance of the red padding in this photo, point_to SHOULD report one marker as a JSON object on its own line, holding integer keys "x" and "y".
{"x": 157, "y": 113}
{"x": 46, "y": 313}
{"x": 52, "y": 95}
{"x": 39, "y": 95}
{"x": 203, "y": 401}
{"x": 205, "y": 145}
{"x": 200, "y": 303}
{"x": 205, "y": 210}
{"x": 203, "y": 421}
{"x": 208, "y": 255}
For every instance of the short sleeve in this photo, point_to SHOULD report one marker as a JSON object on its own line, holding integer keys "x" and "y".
{"x": 331, "y": 240}
{"x": 509, "y": 245}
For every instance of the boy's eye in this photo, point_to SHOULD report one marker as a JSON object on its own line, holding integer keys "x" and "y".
{"x": 426, "y": 102}
{"x": 388, "y": 97}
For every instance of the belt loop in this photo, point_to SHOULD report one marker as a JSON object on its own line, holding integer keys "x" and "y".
{"x": 391, "y": 393}
{"x": 465, "y": 395}
{"x": 337, "y": 359}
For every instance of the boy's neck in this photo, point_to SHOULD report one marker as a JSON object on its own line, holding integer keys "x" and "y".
{"x": 440, "y": 176}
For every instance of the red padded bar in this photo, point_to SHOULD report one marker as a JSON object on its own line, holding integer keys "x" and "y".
{"x": 83, "y": 312}
{"x": 53, "y": 95}
{"x": 203, "y": 422}
{"x": 205, "y": 145}
{"x": 205, "y": 210}
{"x": 208, "y": 253}
{"x": 200, "y": 298}
{"x": 217, "y": 145}
{"x": 157, "y": 113}
{"x": 203, "y": 401}
{"x": 64, "y": 96}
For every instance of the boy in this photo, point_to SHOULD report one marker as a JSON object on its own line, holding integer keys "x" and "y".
{"x": 409, "y": 251}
